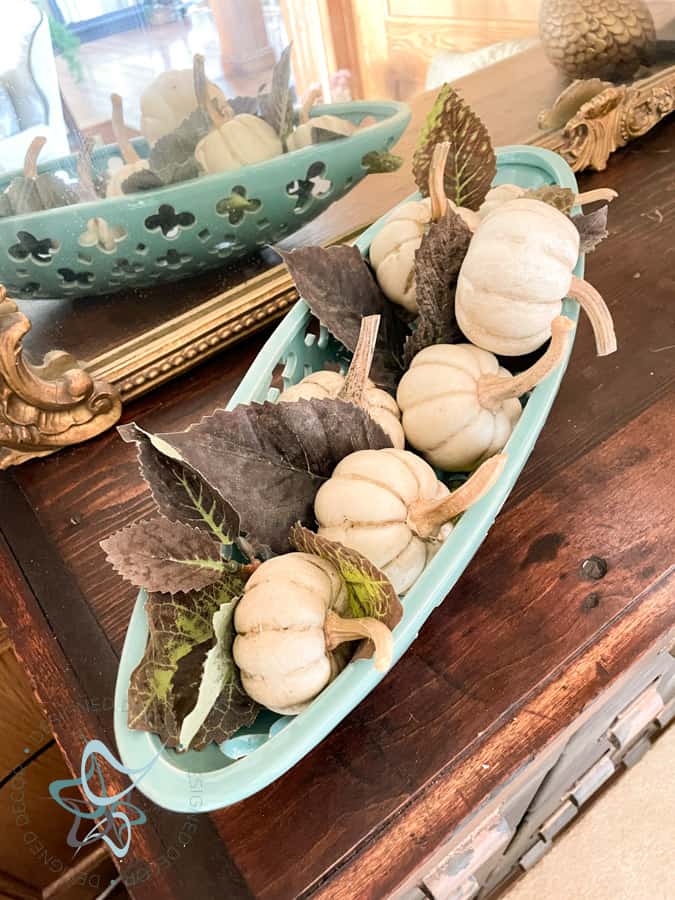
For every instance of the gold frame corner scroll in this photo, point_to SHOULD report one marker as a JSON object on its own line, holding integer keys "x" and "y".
{"x": 49, "y": 406}
{"x": 607, "y": 119}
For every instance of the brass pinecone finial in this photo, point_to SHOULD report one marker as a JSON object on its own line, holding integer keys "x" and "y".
{"x": 587, "y": 38}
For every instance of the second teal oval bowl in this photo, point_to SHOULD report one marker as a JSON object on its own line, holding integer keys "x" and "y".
{"x": 257, "y": 755}
{"x": 181, "y": 230}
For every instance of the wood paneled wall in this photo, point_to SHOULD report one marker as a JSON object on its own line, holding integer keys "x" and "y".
{"x": 388, "y": 44}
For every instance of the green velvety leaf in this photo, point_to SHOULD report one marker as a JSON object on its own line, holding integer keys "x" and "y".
{"x": 268, "y": 460}
{"x": 180, "y": 633}
{"x": 437, "y": 264}
{"x": 277, "y": 107}
{"x": 172, "y": 157}
{"x": 378, "y": 161}
{"x": 143, "y": 180}
{"x": 181, "y": 494}
{"x": 471, "y": 164}
{"x": 369, "y": 591}
{"x": 161, "y": 555}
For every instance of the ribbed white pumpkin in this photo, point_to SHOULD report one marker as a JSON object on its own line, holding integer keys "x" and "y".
{"x": 515, "y": 275}
{"x": 280, "y": 646}
{"x": 442, "y": 414}
{"x": 392, "y": 250}
{"x": 380, "y": 405}
{"x": 169, "y": 100}
{"x": 389, "y": 505}
{"x": 289, "y": 632}
{"x": 460, "y": 406}
{"x": 241, "y": 141}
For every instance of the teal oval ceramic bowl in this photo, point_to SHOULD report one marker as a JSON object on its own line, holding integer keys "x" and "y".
{"x": 181, "y": 230}
{"x": 257, "y": 755}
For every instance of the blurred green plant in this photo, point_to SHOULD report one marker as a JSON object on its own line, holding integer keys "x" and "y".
{"x": 68, "y": 45}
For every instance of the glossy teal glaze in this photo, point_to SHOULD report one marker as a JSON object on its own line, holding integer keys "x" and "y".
{"x": 259, "y": 754}
{"x": 195, "y": 236}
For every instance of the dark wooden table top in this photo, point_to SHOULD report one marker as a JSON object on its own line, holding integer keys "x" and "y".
{"x": 512, "y": 655}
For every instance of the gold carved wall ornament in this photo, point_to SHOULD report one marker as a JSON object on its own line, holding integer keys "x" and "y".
{"x": 49, "y": 406}
{"x": 609, "y": 119}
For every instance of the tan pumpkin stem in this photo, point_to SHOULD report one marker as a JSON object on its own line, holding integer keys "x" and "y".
{"x": 439, "y": 202}
{"x": 339, "y": 630}
{"x": 596, "y": 309}
{"x": 310, "y": 98}
{"x": 217, "y": 113}
{"x": 356, "y": 382}
{"x": 426, "y": 517}
{"x": 598, "y": 194}
{"x": 494, "y": 389}
{"x": 129, "y": 154}
{"x": 31, "y": 157}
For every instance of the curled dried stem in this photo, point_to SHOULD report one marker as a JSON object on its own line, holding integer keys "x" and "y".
{"x": 599, "y": 315}
{"x": 426, "y": 517}
{"x": 494, "y": 389}
{"x": 311, "y": 97}
{"x": 439, "y": 202}
{"x": 356, "y": 382}
{"x": 339, "y": 630}
{"x": 598, "y": 194}
{"x": 128, "y": 151}
{"x": 31, "y": 157}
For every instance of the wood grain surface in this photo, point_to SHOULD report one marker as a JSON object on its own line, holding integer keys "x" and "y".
{"x": 520, "y": 646}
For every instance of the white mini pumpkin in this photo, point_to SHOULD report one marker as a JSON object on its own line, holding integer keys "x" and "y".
{"x": 392, "y": 250}
{"x": 240, "y": 141}
{"x": 390, "y": 507}
{"x": 289, "y": 631}
{"x": 515, "y": 275}
{"x": 460, "y": 406}
{"x": 302, "y": 135}
{"x": 356, "y": 387}
{"x": 132, "y": 161}
{"x": 503, "y": 193}
{"x": 169, "y": 100}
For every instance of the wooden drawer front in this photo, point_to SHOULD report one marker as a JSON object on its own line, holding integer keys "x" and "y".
{"x": 516, "y": 826}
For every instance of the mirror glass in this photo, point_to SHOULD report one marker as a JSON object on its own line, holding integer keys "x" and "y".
{"x": 62, "y": 60}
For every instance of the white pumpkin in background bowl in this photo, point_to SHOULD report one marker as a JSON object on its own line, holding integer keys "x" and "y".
{"x": 170, "y": 99}
{"x": 234, "y": 141}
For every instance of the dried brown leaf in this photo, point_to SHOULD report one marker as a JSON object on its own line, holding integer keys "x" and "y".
{"x": 437, "y": 264}
{"x": 559, "y": 197}
{"x": 339, "y": 288}
{"x": 268, "y": 460}
{"x": 592, "y": 228}
{"x": 161, "y": 555}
